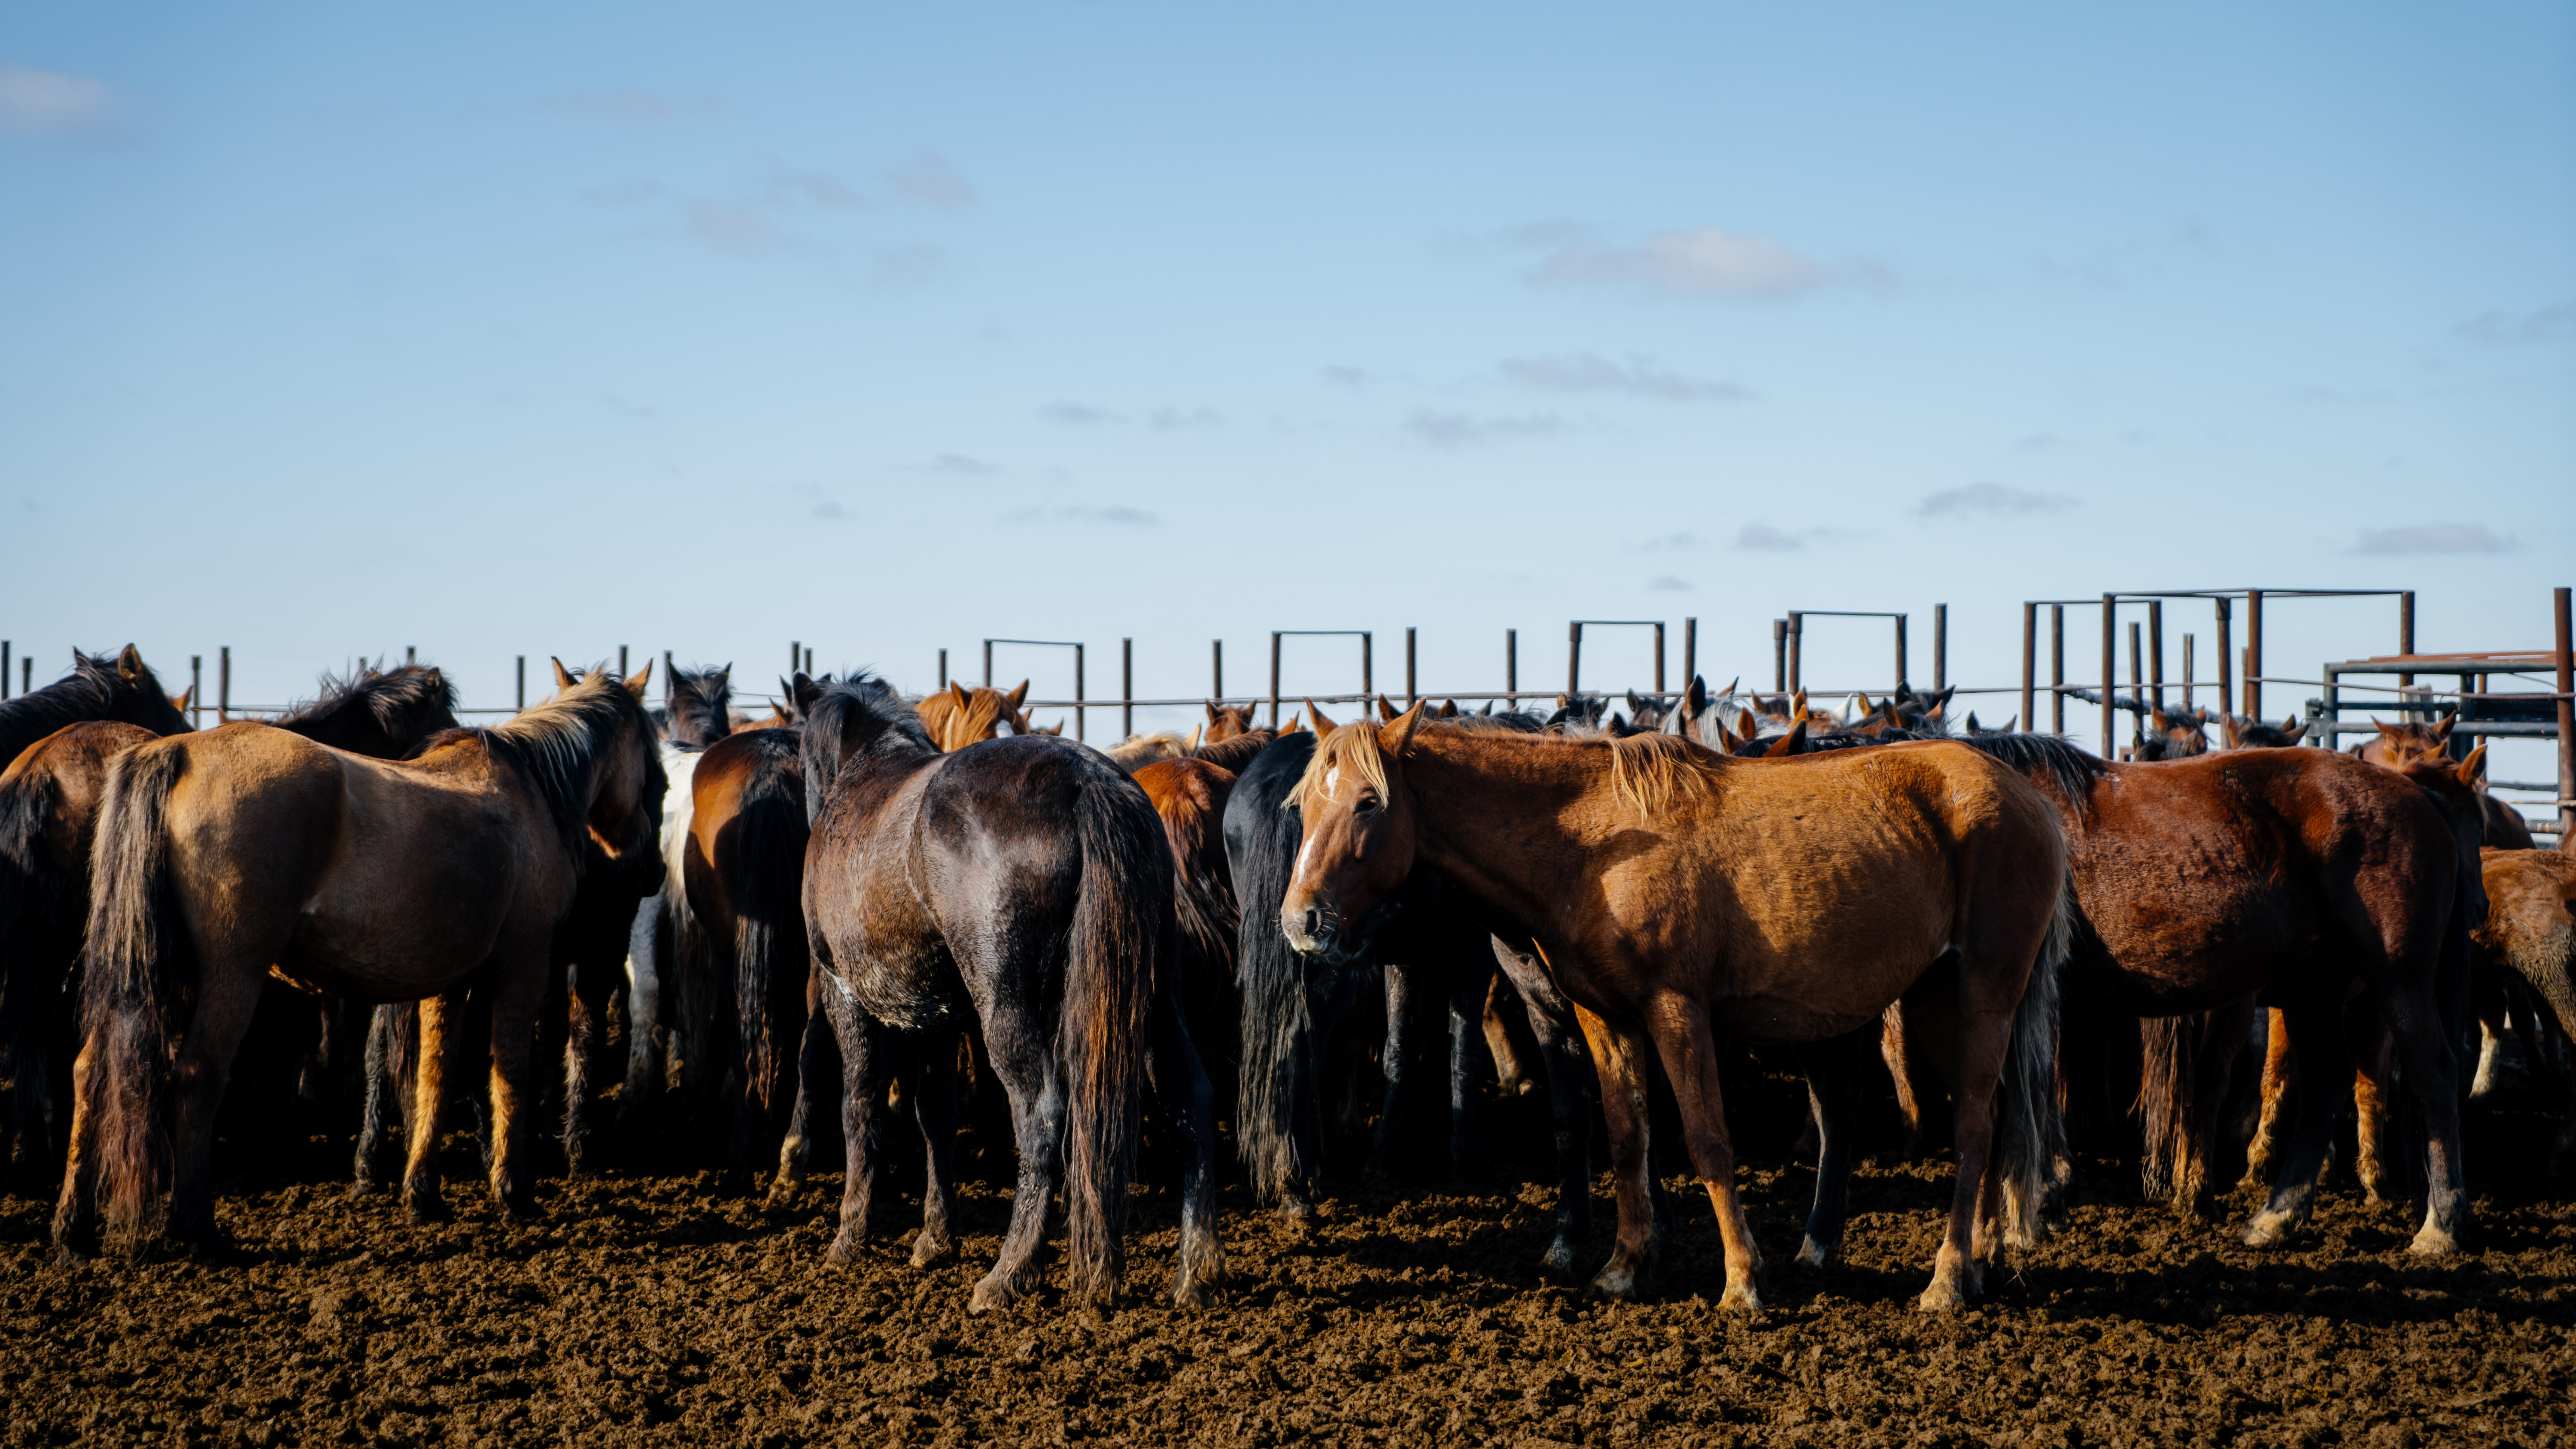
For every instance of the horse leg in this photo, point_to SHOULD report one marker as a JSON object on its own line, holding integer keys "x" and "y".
{"x": 518, "y": 994}
{"x": 2374, "y": 1061}
{"x": 1986, "y": 998}
{"x": 1833, "y": 1068}
{"x": 2416, "y": 1023}
{"x": 1468, "y": 989}
{"x": 2223, "y": 1032}
{"x": 227, "y": 993}
{"x": 2280, "y": 1070}
{"x": 816, "y": 1069}
{"x": 1618, "y": 1054}
{"x": 1510, "y": 1073}
{"x": 1024, "y": 1061}
{"x": 1569, "y": 1071}
{"x": 643, "y": 1010}
{"x": 1905, "y": 1072}
{"x": 581, "y": 1044}
{"x": 934, "y": 1110}
{"x": 2324, "y": 1058}
{"x": 438, "y": 1039}
{"x": 862, "y": 1043}
{"x": 1188, "y": 1105}
{"x": 1400, "y": 997}
{"x": 1689, "y": 1055}
{"x": 372, "y": 1103}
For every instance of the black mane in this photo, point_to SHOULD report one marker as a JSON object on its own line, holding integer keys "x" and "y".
{"x": 831, "y": 708}
{"x": 2049, "y": 758}
{"x": 383, "y": 713}
{"x": 557, "y": 746}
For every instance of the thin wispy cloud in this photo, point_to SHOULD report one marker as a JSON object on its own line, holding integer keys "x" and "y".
{"x": 830, "y": 508}
{"x": 2539, "y": 325}
{"x": 1990, "y": 500}
{"x": 1461, "y": 430}
{"x": 1074, "y": 414}
{"x": 1668, "y": 584}
{"x": 630, "y": 107}
{"x": 928, "y": 180}
{"x": 2423, "y": 538}
{"x": 1703, "y": 261}
{"x": 1106, "y": 515}
{"x": 1665, "y": 542}
{"x": 1175, "y": 419}
{"x": 962, "y": 465}
{"x": 1763, "y": 538}
{"x": 803, "y": 208}
{"x": 1635, "y": 377}
{"x": 1345, "y": 375}
{"x": 51, "y": 103}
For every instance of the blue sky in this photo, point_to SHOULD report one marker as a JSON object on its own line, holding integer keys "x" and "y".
{"x": 337, "y": 329}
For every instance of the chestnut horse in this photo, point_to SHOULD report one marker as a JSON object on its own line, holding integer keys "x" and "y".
{"x": 958, "y": 716}
{"x": 1674, "y": 892}
{"x": 98, "y": 688}
{"x": 225, "y": 855}
{"x": 1026, "y": 883}
{"x": 2530, "y": 929}
{"x": 2286, "y": 877}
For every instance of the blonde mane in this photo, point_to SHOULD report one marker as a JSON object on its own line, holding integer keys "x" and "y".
{"x": 954, "y": 726}
{"x": 1353, "y": 746}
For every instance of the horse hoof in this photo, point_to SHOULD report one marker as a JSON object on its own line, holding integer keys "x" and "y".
{"x": 1942, "y": 1297}
{"x": 2432, "y": 1242}
{"x": 930, "y": 1247}
{"x": 2268, "y": 1229}
{"x": 1740, "y": 1298}
{"x": 1616, "y": 1282}
{"x": 1812, "y": 1254}
{"x": 844, "y": 1250}
{"x": 1559, "y": 1262}
{"x": 422, "y": 1212}
{"x": 1190, "y": 1292}
{"x": 992, "y": 1291}
{"x": 783, "y": 1194}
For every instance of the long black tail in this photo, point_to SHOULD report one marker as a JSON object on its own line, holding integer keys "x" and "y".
{"x": 135, "y": 970}
{"x": 2030, "y": 1128}
{"x": 1278, "y": 1026}
{"x": 765, "y": 866}
{"x": 36, "y": 946}
{"x": 1117, "y": 954}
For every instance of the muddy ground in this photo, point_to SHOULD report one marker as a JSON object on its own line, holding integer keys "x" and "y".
{"x": 647, "y": 1306}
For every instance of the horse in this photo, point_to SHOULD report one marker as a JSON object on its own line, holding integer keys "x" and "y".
{"x": 98, "y": 688}
{"x": 49, "y": 803}
{"x": 1026, "y": 881}
{"x": 2288, "y": 878}
{"x": 958, "y": 716}
{"x": 1673, "y": 892}
{"x": 741, "y": 868}
{"x": 1189, "y": 796}
{"x": 225, "y": 855}
{"x": 2174, "y": 736}
{"x": 2530, "y": 930}
{"x": 2399, "y": 745}
{"x": 668, "y": 971}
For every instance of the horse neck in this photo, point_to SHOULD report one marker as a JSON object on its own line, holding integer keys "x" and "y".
{"x": 1490, "y": 817}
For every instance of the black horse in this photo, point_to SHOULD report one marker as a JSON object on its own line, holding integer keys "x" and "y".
{"x": 98, "y": 688}
{"x": 1022, "y": 884}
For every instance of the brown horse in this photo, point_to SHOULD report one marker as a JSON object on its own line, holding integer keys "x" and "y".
{"x": 222, "y": 856}
{"x": 742, "y": 868}
{"x": 2530, "y": 930}
{"x": 2401, "y": 745}
{"x": 958, "y": 716}
{"x": 2288, "y": 878}
{"x": 1190, "y": 796}
{"x": 1674, "y": 893}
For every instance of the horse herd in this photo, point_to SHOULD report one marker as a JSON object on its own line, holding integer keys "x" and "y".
{"x": 864, "y": 910}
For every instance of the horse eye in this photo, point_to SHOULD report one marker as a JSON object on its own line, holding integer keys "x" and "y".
{"x": 1366, "y": 805}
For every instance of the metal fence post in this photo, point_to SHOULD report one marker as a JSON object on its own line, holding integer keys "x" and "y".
{"x": 1780, "y": 656}
{"x": 943, "y": 669}
{"x": 1797, "y": 636}
{"x": 1368, "y": 666}
{"x": 1940, "y": 646}
{"x": 2226, "y": 661}
{"x": 1126, "y": 688}
{"x": 1216, "y": 661}
{"x": 1411, "y": 696}
{"x": 2029, "y": 661}
{"x": 988, "y": 664}
{"x": 2057, "y": 669}
{"x": 1659, "y": 657}
{"x": 1690, "y": 651}
{"x": 621, "y": 660}
{"x": 1901, "y": 670}
{"x": 2187, "y": 707}
{"x": 2254, "y": 653}
{"x": 795, "y": 655}
{"x": 2110, "y": 667}
{"x": 1274, "y": 679}
{"x": 223, "y": 683}
{"x": 1573, "y": 660}
{"x": 196, "y": 688}
{"x": 5, "y": 670}
{"x": 2137, "y": 686}
{"x": 1080, "y": 716}
{"x": 1512, "y": 666}
{"x": 2566, "y": 724}
{"x": 523, "y": 681}
{"x": 2156, "y": 649}
{"x": 2405, "y": 638}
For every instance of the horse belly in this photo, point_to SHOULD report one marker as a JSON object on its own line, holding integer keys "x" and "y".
{"x": 1823, "y": 946}
{"x": 395, "y": 933}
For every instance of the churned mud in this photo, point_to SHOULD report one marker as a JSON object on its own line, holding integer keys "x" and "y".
{"x": 649, "y": 1307}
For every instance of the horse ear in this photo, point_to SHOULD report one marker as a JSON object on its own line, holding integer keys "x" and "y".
{"x": 1397, "y": 735}
{"x": 2229, "y": 732}
{"x": 635, "y": 682}
{"x": 1448, "y": 709}
{"x": 180, "y": 700}
{"x": 2158, "y": 716}
{"x": 1695, "y": 698}
{"x": 1386, "y": 710}
{"x": 2292, "y": 726}
{"x": 1792, "y": 743}
{"x": 1798, "y": 705}
{"x": 958, "y": 692}
{"x": 1323, "y": 723}
{"x": 129, "y": 665}
{"x": 2472, "y": 771}
{"x": 563, "y": 676}
{"x": 1193, "y": 745}
{"x": 2442, "y": 731}
{"x": 1211, "y": 709}
{"x": 1012, "y": 700}
{"x": 1972, "y": 723}
{"x": 2394, "y": 734}
{"x": 804, "y": 691}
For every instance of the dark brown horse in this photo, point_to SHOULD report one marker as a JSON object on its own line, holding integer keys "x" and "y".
{"x": 743, "y": 867}
{"x": 1674, "y": 893}
{"x": 226, "y": 855}
{"x": 1026, "y": 885}
{"x": 2286, "y": 878}
{"x": 98, "y": 688}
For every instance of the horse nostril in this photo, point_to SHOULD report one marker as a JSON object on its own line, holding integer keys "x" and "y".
{"x": 1314, "y": 923}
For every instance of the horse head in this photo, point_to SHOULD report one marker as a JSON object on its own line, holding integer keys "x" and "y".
{"x": 698, "y": 702}
{"x": 1360, "y": 836}
{"x": 138, "y": 696}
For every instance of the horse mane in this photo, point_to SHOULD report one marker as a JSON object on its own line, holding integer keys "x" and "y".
{"x": 2053, "y": 757}
{"x": 1645, "y": 770}
{"x": 1136, "y": 753}
{"x": 1648, "y": 770}
{"x": 1354, "y": 745}
{"x": 556, "y": 745}
{"x": 947, "y": 721}
{"x": 394, "y": 700}
{"x": 91, "y": 691}
{"x": 867, "y": 697}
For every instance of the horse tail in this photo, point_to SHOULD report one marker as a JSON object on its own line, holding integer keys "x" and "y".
{"x": 2168, "y": 1060}
{"x": 1121, "y": 938}
{"x": 31, "y": 902}
{"x": 766, "y": 874}
{"x": 134, "y": 971}
{"x": 2030, "y": 1126}
{"x": 1277, "y": 1035}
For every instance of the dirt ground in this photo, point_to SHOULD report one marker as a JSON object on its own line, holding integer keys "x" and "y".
{"x": 649, "y": 1307}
